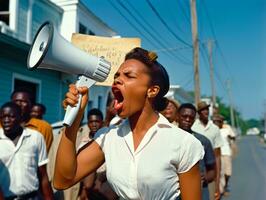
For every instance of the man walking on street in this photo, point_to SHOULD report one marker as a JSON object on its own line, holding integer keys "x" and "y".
{"x": 226, "y": 154}
{"x": 206, "y": 127}
{"x": 186, "y": 117}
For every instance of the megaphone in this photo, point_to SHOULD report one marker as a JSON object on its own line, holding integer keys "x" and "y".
{"x": 50, "y": 50}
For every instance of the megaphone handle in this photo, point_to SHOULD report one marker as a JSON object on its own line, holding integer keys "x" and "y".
{"x": 71, "y": 112}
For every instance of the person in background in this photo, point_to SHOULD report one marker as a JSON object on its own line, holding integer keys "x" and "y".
{"x": 71, "y": 193}
{"x": 130, "y": 149}
{"x": 95, "y": 186}
{"x": 90, "y": 186}
{"x": 226, "y": 154}
{"x": 232, "y": 138}
{"x": 171, "y": 111}
{"x": 22, "y": 97}
{"x": 95, "y": 122}
{"x": 186, "y": 117}
{"x": 37, "y": 111}
{"x": 23, "y": 156}
{"x": 110, "y": 112}
{"x": 207, "y": 128}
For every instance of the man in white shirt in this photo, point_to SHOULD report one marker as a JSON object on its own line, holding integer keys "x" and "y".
{"x": 226, "y": 154}
{"x": 232, "y": 138}
{"x": 206, "y": 127}
{"x": 23, "y": 158}
{"x": 186, "y": 117}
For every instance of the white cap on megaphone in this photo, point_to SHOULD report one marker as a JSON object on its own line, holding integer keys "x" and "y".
{"x": 51, "y": 51}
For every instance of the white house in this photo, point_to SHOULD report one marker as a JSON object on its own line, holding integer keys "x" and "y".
{"x": 178, "y": 93}
{"x": 77, "y": 18}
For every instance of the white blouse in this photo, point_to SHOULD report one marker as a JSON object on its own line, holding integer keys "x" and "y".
{"x": 150, "y": 172}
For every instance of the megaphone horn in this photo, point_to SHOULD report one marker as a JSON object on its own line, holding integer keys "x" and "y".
{"x": 50, "y": 50}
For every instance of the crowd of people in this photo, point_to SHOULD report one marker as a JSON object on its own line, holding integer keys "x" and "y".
{"x": 145, "y": 146}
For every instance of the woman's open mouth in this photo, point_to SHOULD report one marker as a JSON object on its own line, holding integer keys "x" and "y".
{"x": 118, "y": 98}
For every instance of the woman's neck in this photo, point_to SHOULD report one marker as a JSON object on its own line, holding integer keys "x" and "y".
{"x": 142, "y": 121}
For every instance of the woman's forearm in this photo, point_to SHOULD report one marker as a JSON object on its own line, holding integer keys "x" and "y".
{"x": 66, "y": 162}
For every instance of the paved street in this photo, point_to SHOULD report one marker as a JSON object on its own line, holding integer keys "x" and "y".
{"x": 248, "y": 181}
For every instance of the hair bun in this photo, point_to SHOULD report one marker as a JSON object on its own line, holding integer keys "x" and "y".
{"x": 160, "y": 103}
{"x": 152, "y": 55}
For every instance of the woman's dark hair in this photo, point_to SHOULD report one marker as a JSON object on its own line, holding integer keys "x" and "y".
{"x": 159, "y": 75}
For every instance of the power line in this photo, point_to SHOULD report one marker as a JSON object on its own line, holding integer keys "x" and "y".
{"x": 179, "y": 57}
{"x": 139, "y": 31}
{"x": 171, "y": 49}
{"x": 205, "y": 58}
{"x": 166, "y": 25}
{"x": 135, "y": 27}
{"x": 204, "y": 55}
{"x": 214, "y": 35}
{"x": 203, "y": 51}
{"x": 173, "y": 12}
{"x": 188, "y": 83}
{"x": 143, "y": 19}
{"x": 186, "y": 78}
{"x": 183, "y": 12}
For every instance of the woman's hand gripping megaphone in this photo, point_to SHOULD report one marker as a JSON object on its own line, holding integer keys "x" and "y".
{"x": 76, "y": 99}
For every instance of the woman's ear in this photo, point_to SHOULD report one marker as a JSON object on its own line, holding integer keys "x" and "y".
{"x": 153, "y": 91}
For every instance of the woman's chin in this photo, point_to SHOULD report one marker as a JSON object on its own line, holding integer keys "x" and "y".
{"x": 122, "y": 115}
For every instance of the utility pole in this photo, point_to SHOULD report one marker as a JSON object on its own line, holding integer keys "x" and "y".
{"x": 231, "y": 103}
{"x": 237, "y": 121}
{"x": 194, "y": 24}
{"x": 210, "y": 43}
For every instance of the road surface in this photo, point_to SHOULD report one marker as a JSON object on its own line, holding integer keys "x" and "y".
{"x": 248, "y": 181}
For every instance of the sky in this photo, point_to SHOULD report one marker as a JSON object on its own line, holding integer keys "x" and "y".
{"x": 236, "y": 27}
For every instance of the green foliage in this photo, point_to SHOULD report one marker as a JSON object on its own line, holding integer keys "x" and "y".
{"x": 239, "y": 121}
{"x": 256, "y": 123}
{"x": 224, "y": 110}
